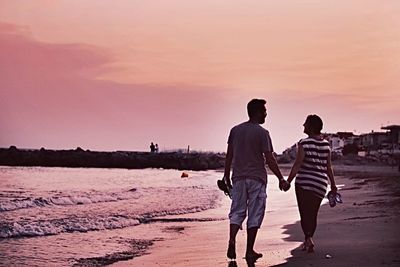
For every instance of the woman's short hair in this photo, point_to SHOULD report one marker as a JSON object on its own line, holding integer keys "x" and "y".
{"x": 314, "y": 123}
{"x": 255, "y": 106}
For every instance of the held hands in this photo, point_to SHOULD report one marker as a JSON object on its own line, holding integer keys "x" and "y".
{"x": 284, "y": 185}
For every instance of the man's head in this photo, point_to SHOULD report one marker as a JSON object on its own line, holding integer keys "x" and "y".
{"x": 256, "y": 110}
{"x": 313, "y": 125}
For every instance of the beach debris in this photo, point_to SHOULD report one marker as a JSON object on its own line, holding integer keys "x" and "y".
{"x": 327, "y": 256}
{"x": 137, "y": 248}
{"x": 184, "y": 175}
{"x": 174, "y": 229}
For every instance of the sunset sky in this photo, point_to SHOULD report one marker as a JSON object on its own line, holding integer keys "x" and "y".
{"x": 116, "y": 75}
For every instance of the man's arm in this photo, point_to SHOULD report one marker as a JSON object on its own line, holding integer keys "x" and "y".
{"x": 273, "y": 165}
{"x": 228, "y": 164}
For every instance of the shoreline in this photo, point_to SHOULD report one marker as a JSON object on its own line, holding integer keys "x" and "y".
{"x": 361, "y": 231}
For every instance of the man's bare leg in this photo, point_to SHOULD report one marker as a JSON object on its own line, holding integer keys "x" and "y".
{"x": 251, "y": 239}
{"x": 233, "y": 230}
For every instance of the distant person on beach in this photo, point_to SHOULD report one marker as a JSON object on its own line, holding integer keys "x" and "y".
{"x": 248, "y": 144}
{"x": 312, "y": 169}
{"x": 156, "y": 148}
{"x": 152, "y": 147}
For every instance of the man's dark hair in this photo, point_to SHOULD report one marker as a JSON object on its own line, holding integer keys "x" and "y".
{"x": 254, "y": 106}
{"x": 314, "y": 123}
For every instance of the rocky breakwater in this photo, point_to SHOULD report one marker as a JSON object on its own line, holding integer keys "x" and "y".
{"x": 119, "y": 159}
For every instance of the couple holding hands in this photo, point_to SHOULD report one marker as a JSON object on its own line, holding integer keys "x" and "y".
{"x": 249, "y": 149}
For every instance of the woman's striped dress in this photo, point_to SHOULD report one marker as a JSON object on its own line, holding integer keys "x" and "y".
{"x": 313, "y": 171}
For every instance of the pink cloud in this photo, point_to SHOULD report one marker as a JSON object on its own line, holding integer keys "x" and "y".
{"x": 50, "y": 97}
{"x": 21, "y": 55}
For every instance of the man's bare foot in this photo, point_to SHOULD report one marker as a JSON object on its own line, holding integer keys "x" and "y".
{"x": 231, "y": 253}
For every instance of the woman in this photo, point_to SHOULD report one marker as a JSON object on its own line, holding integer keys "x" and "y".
{"x": 312, "y": 169}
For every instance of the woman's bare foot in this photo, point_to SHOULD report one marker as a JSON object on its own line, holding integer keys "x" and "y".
{"x": 310, "y": 245}
{"x": 252, "y": 256}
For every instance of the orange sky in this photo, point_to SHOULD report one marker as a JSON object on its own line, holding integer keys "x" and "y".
{"x": 116, "y": 75}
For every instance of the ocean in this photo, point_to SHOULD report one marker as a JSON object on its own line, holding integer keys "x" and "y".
{"x": 92, "y": 216}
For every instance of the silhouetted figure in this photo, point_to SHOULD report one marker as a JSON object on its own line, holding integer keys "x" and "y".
{"x": 248, "y": 144}
{"x": 156, "y": 148}
{"x": 312, "y": 169}
{"x": 152, "y": 147}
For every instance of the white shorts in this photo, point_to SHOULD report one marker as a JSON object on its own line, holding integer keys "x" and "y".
{"x": 248, "y": 195}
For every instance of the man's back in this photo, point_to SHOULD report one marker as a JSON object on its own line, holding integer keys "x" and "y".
{"x": 249, "y": 141}
{"x": 248, "y": 144}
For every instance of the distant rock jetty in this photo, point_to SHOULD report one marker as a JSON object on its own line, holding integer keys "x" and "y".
{"x": 119, "y": 159}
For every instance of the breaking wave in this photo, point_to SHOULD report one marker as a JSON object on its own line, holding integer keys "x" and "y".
{"x": 74, "y": 199}
{"x": 129, "y": 208}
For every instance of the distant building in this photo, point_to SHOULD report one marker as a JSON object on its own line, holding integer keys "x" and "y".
{"x": 349, "y": 138}
{"x": 336, "y": 142}
{"x": 392, "y": 145}
{"x": 393, "y": 134}
{"x": 373, "y": 143}
{"x": 381, "y": 144}
{"x": 373, "y": 140}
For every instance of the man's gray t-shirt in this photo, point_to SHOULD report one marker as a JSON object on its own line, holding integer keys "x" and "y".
{"x": 249, "y": 142}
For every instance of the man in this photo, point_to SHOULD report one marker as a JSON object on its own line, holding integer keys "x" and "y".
{"x": 152, "y": 147}
{"x": 249, "y": 148}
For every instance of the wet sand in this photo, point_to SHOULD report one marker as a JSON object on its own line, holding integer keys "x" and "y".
{"x": 364, "y": 230}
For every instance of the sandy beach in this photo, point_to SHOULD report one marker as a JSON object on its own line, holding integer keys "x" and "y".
{"x": 361, "y": 231}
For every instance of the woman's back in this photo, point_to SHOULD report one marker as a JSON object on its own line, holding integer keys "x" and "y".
{"x": 313, "y": 171}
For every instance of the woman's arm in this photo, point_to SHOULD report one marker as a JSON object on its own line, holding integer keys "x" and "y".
{"x": 297, "y": 164}
{"x": 330, "y": 173}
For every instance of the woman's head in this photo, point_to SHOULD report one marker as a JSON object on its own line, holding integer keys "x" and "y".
{"x": 313, "y": 125}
